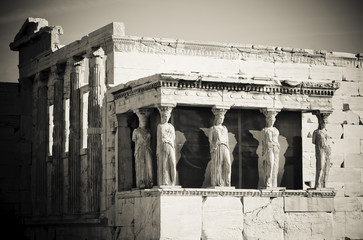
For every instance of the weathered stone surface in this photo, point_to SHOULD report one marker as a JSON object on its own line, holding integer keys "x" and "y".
{"x": 355, "y": 103}
{"x": 339, "y": 225}
{"x": 147, "y": 218}
{"x": 334, "y": 130}
{"x": 222, "y": 218}
{"x": 309, "y": 226}
{"x": 266, "y": 212}
{"x": 350, "y": 145}
{"x": 360, "y": 199}
{"x": 353, "y": 160}
{"x": 139, "y": 218}
{"x": 353, "y": 189}
{"x": 346, "y": 204}
{"x": 292, "y": 70}
{"x": 326, "y": 73}
{"x": 353, "y": 74}
{"x": 180, "y": 217}
{"x": 354, "y": 223}
{"x": 338, "y": 188}
{"x": 344, "y": 175}
{"x": 304, "y": 204}
{"x": 347, "y": 89}
{"x": 256, "y": 68}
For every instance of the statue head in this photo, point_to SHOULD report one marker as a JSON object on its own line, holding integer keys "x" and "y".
{"x": 165, "y": 113}
{"x": 270, "y": 116}
{"x": 270, "y": 120}
{"x": 219, "y": 114}
{"x": 322, "y": 118}
{"x": 143, "y": 115}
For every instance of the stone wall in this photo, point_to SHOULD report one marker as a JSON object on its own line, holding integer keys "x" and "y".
{"x": 14, "y": 161}
{"x": 225, "y": 214}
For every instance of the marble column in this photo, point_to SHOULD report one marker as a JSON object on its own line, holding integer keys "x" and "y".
{"x": 165, "y": 148}
{"x": 40, "y": 144}
{"x": 269, "y": 166}
{"x": 219, "y": 150}
{"x": 322, "y": 150}
{"x": 57, "y": 73}
{"x": 143, "y": 154}
{"x": 75, "y": 137}
{"x": 94, "y": 138}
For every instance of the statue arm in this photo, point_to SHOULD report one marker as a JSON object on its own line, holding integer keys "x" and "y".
{"x": 212, "y": 145}
{"x": 263, "y": 142}
{"x": 158, "y": 140}
{"x": 134, "y": 136}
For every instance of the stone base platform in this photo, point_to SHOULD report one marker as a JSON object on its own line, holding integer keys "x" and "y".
{"x": 217, "y": 213}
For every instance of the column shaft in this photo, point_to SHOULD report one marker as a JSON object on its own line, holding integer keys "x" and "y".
{"x": 74, "y": 141}
{"x": 94, "y": 139}
{"x": 58, "y": 138}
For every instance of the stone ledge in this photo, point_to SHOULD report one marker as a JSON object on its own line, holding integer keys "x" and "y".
{"x": 207, "y": 192}
{"x": 301, "y": 204}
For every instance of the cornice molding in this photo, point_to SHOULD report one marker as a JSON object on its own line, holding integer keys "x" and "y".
{"x": 209, "y": 192}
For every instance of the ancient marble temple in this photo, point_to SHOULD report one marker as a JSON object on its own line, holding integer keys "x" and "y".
{"x": 147, "y": 138}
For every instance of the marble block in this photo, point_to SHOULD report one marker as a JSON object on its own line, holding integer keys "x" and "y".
{"x": 222, "y": 218}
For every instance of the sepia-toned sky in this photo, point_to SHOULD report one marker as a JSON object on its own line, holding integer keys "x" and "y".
{"x": 330, "y": 25}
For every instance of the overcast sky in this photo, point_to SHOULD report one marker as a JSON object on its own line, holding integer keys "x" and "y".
{"x": 314, "y": 24}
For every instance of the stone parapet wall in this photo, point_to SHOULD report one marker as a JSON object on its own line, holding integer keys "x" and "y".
{"x": 166, "y": 214}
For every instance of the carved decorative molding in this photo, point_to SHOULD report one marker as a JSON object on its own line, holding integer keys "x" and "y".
{"x": 304, "y": 88}
{"x": 209, "y": 192}
{"x": 231, "y": 51}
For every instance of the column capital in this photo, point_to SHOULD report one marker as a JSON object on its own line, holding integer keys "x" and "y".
{"x": 322, "y": 117}
{"x": 324, "y": 113}
{"x": 165, "y": 107}
{"x": 270, "y": 111}
{"x": 77, "y": 63}
{"x": 41, "y": 78}
{"x": 97, "y": 52}
{"x": 219, "y": 109}
{"x": 143, "y": 112}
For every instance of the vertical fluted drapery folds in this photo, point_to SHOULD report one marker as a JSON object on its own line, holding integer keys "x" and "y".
{"x": 94, "y": 139}
{"x": 57, "y": 73}
{"x": 74, "y": 138}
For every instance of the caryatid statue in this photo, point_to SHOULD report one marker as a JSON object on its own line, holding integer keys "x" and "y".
{"x": 322, "y": 151}
{"x": 165, "y": 148}
{"x": 270, "y": 150}
{"x": 219, "y": 150}
{"x": 143, "y": 154}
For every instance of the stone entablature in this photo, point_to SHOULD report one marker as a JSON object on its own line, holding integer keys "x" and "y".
{"x": 237, "y": 92}
{"x": 235, "y": 51}
{"x": 112, "y": 39}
